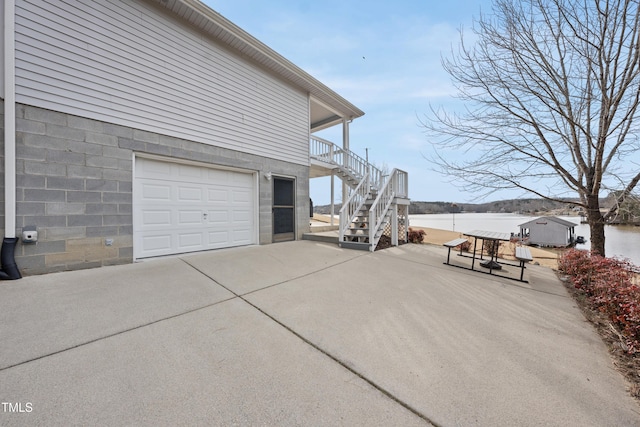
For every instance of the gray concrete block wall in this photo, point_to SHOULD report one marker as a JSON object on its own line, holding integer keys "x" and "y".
{"x": 67, "y": 188}
{"x": 74, "y": 183}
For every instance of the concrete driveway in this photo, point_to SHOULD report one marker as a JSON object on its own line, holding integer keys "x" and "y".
{"x": 302, "y": 333}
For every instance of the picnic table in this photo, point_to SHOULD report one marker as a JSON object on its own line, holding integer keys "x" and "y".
{"x": 494, "y": 238}
{"x": 522, "y": 254}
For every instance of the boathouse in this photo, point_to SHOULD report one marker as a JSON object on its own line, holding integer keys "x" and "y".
{"x": 548, "y": 231}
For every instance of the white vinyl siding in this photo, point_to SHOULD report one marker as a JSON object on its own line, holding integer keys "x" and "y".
{"x": 125, "y": 62}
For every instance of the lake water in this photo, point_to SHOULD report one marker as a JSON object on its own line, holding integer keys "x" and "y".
{"x": 621, "y": 241}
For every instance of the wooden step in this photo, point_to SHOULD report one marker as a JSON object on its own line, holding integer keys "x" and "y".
{"x": 354, "y": 233}
{"x": 321, "y": 237}
{"x": 355, "y": 245}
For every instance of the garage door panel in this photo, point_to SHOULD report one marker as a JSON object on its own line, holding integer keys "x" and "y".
{"x": 152, "y": 169}
{"x": 241, "y": 236}
{"x": 189, "y": 194}
{"x": 189, "y": 173}
{"x": 185, "y": 208}
{"x": 218, "y": 217}
{"x": 156, "y": 217}
{"x": 241, "y": 196}
{"x": 218, "y": 238}
{"x": 156, "y": 244}
{"x": 157, "y": 192}
{"x": 188, "y": 241}
{"x": 239, "y": 186}
{"x": 186, "y": 217}
{"x": 241, "y": 216}
{"x": 217, "y": 195}
{"x": 216, "y": 175}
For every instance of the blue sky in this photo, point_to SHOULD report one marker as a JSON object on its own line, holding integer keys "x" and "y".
{"x": 384, "y": 57}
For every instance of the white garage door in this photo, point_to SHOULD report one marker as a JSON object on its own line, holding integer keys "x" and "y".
{"x": 184, "y": 208}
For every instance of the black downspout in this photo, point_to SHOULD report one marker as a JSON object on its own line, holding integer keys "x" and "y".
{"x": 9, "y": 268}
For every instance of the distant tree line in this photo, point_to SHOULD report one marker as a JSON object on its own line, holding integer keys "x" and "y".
{"x": 627, "y": 213}
{"x": 524, "y": 206}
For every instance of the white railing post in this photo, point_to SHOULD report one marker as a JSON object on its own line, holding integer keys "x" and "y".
{"x": 372, "y": 230}
{"x": 333, "y": 176}
{"x": 331, "y": 152}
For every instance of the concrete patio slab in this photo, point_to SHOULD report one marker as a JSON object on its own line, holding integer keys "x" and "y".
{"x": 307, "y": 333}
{"x": 249, "y": 268}
{"x": 223, "y": 365}
{"x": 460, "y": 347}
{"x": 40, "y": 315}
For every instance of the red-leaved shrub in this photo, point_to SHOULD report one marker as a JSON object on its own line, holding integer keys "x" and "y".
{"x": 608, "y": 284}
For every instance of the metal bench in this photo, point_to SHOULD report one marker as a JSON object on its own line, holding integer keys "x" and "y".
{"x": 524, "y": 256}
{"x": 453, "y": 244}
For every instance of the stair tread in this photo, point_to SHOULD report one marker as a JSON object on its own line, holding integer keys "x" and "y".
{"x": 355, "y": 245}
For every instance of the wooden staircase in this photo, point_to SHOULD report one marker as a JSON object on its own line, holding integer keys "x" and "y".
{"x": 377, "y": 203}
{"x": 357, "y": 234}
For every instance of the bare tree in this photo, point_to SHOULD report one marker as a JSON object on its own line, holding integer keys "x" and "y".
{"x": 627, "y": 212}
{"x": 551, "y": 90}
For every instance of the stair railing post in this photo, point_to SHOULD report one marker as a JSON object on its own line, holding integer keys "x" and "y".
{"x": 333, "y": 176}
{"x": 367, "y": 164}
{"x": 372, "y": 229}
{"x": 345, "y": 164}
{"x": 331, "y": 153}
{"x": 342, "y": 219}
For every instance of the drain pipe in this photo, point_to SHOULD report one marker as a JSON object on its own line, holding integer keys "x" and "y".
{"x": 9, "y": 269}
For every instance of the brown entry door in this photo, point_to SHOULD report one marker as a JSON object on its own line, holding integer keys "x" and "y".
{"x": 284, "y": 218}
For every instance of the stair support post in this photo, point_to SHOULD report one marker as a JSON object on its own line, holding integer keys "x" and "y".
{"x": 394, "y": 224}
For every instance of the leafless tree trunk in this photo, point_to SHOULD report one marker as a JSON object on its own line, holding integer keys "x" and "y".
{"x": 551, "y": 90}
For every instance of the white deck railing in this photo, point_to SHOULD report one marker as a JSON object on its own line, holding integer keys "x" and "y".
{"x": 400, "y": 183}
{"x": 353, "y": 205}
{"x": 329, "y": 152}
{"x": 396, "y": 186}
{"x": 388, "y": 187}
